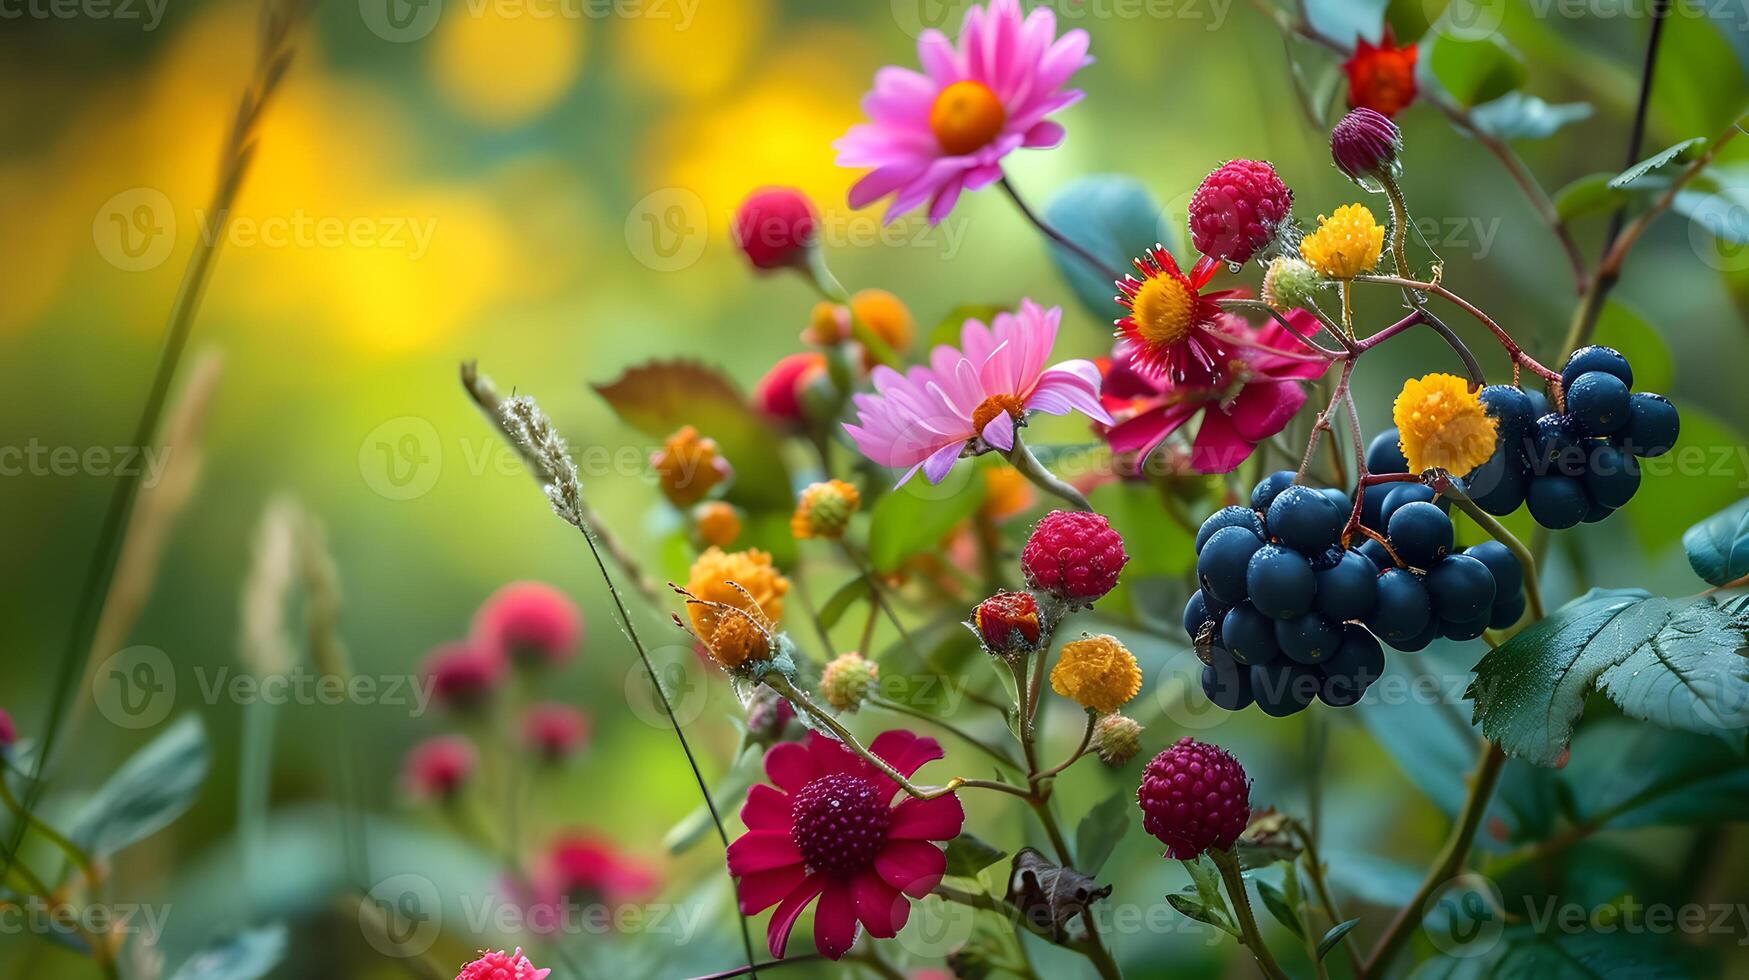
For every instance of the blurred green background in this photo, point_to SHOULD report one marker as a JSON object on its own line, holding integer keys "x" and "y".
{"x": 550, "y": 195}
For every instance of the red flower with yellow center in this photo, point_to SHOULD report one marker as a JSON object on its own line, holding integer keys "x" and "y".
{"x": 1166, "y": 331}
{"x": 1382, "y": 77}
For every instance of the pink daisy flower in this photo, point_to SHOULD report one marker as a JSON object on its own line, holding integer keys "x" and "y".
{"x": 829, "y": 831}
{"x": 970, "y": 400}
{"x": 502, "y": 966}
{"x": 945, "y": 130}
{"x": 1243, "y": 400}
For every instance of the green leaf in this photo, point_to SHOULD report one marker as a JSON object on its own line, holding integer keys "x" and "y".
{"x": 915, "y": 517}
{"x": 1478, "y": 70}
{"x": 1484, "y": 952}
{"x": 1114, "y": 218}
{"x": 1201, "y": 912}
{"x": 1718, "y": 547}
{"x": 151, "y": 789}
{"x": 1205, "y": 886}
{"x": 660, "y": 397}
{"x": 1410, "y": 19}
{"x": 847, "y": 595}
{"x": 947, "y": 329}
{"x": 1623, "y": 328}
{"x": 967, "y": 855}
{"x": 1590, "y": 194}
{"x": 1623, "y": 775}
{"x": 1279, "y": 907}
{"x": 243, "y": 955}
{"x": 730, "y": 790}
{"x": 1654, "y": 162}
{"x": 1677, "y": 663}
{"x": 1516, "y": 115}
{"x": 1334, "y": 936}
{"x": 1099, "y": 831}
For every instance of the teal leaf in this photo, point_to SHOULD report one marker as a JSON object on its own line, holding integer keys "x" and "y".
{"x": 1724, "y": 213}
{"x": 841, "y": 601}
{"x": 1482, "y": 951}
{"x": 1676, "y": 663}
{"x": 1476, "y": 70}
{"x": 1624, "y": 775}
{"x": 1654, "y": 162}
{"x": 1718, "y": 547}
{"x": 1516, "y": 115}
{"x": 1279, "y": 907}
{"x": 1334, "y": 936}
{"x": 967, "y": 855}
{"x": 1347, "y": 19}
{"x": 1115, "y": 219}
{"x": 243, "y": 955}
{"x": 1099, "y": 831}
{"x": 149, "y": 791}
{"x": 915, "y": 517}
{"x": 1591, "y": 194}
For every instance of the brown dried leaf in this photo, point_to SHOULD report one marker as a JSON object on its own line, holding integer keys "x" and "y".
{"x": 1050, "y": 896}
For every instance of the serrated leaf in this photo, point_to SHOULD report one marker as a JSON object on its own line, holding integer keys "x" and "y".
{"x": 1278, "y": 905}
{"x": 967, "y": 855}
{"x": 1476, "y": 70}
{"x": 1207, "y": 894}
{"x": 245, "y": 955}
{"x": 915, "y": 517}
{"x": 1099, "y": 831}
{"x": 1718, "y": 547}
{"x": 659, "y": 397}
{"x": 840, "y": 602}
{"x": 1334, "y": 936}
{"x": 1677, "y": 663}
{"x": 1517, "y": 115}
{"x": 1115, "y": 219}
{"x": 150, "y": 790}
{"x": 1553, "y": 953}
{"x": 1657, "y": 160}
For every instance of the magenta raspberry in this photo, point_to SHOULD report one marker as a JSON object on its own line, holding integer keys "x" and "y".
{"x": 1237, "y": 209}
{"x": 1194, "y": 797}
{"x": 1074, "y": 555}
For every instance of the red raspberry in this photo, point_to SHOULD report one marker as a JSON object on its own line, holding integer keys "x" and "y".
{"x": 1236, "y": 210}
{"x": 1194, "y": 798}
{"x": 1073, "y": 555}
{"x": 775, "y": 227}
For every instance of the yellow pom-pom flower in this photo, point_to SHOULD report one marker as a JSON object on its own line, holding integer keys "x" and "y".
{"x": 848, "y": 681}
{"x": 1443, "y": 425}
{"x": 1097, "y": 672}
{"x": 824, "y": 510}
{"x": 1346, "y": 244}
{"x": 744, "y": 580}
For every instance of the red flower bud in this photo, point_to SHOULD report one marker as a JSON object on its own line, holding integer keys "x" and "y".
{"x": 1008, "y": 623}
{"x": 775, "y": 227}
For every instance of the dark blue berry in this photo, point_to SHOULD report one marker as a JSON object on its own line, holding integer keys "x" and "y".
{"x": 1328, "y": 558}
{"x": 1221, "y": 565}
{"x": 1597, "y": 358}
{"x": 1359, "y": 661}
{"x": 1267, "y": 488}
{"x": 1539, "y": 403}
{"x": 1507, "y": 612}
{"x": 1502, "y": 564}
{"x": 1512, "y": 410}
{"x": 1419, "y": 641}
{"x": 1304, "y": 519}
{"x": 1403, "y": 609}
{"x": 1249, "y": 635}
{"x": 1404, "y": 493}
{"x": 1343, "y": 502}
{"x": 1385, "y": 454}
{"x": 1597, "y": 513}
{"x": 1349, "y": 589}
{"x": 1280, "y": 582}
{"x": 1282, "y": 689}
{"x": 1554, "y": 449}
{"x": 1376, "y": 553}
{"x": 1308, "y": 639}
{"x": 1498, "y": 485}
{"x": 1226, "y": 682}
{"x": 1653, "y": 425}
{"x": 1234, "y": 516}
{"x": 1462, "y": 631}
{"x": 1420, "y": 534}
{"x": 1597, "y": 403}
{"x": 1557, "y": 502}
{"x": 1612, "y": 476}
{"x": 1196, "y": 613}
{"x": 1462, "y": 589}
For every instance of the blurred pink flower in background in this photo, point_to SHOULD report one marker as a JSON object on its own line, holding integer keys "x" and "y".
{"x": 438, "y": 767}
{"x": 502, "y": 966}
{"x": 463, "y": 675}
{"x": 556, "y": 731}
{"x": 528, "y": 623}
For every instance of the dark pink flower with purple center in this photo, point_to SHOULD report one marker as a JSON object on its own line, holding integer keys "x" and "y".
{"x": 1241, "y": 402}
{"x": 936, "y": 133}
{"x": 828, "y": 830}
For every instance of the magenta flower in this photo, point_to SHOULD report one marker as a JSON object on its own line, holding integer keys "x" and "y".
{"x": 934, "y": 134}
{"x": 437, "y": 768}
{"x": 502, "y": 966}
{"x": 1242, "y": 402}
{"x": 829, "y": 830}
{"x": 528, "y": 623}
{"x": 968, "y": 401}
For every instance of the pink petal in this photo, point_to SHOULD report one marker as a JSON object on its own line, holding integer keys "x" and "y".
{"x": 1218, "y": 448}
{"x": 880, "y": 906}
{"x": 999, "y": 431}
{"x": 835, "y": 920}
{"x": 766, "y": 809}
{"x": 830, "y": 756}
{"x": 1263, "y": 408}
{"x": 784, "y": 919}
{"x": 1044, "y": 135}
{"x": 938, "y": 819}
{"x": 758, "y": 892}
{"x": 1147, "y": 430}
{"x": 936, "y": 466}
{"x": 762, "y": 850}
{"x": 905, "y": 751}
{"x": 790, "y": 766}
{"x": 912, "y": 866}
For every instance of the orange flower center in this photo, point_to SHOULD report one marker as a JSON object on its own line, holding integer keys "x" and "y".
{"x": 1163, "y": 310}
{"x": 996, "y": 405}
{"x": 965, "y": 116}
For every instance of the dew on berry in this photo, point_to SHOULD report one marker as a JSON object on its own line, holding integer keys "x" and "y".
{"x": 1349, "y": 589}
{"x": 1420, "y": 533}
{"x": 1280, "y": 581}
{"x": 1403, "y": 609}
{"x": 1221, "y": 565}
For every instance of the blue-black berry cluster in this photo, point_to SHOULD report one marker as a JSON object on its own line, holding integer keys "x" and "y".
{"x": 1286, "y": 614}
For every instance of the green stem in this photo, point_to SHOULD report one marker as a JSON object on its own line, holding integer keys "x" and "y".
{"x": 802, "y": 702}
{"x": 1080, "y": 750}
{"x": 1228, "y": 863}
{"x": 1022, "y": 459}
{"x": 948, "y": 726}
{"x": 1315, "y": 871}
{"x": 73, "y": 852}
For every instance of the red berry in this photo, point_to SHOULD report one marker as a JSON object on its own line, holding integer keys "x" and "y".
{"x": 1236, "y": 210}
{"x": 1073, "y": 555}
{"x": 775, "y": 227}
{"x": 8, "y": 733}
{"x": 1194, "y": 798}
